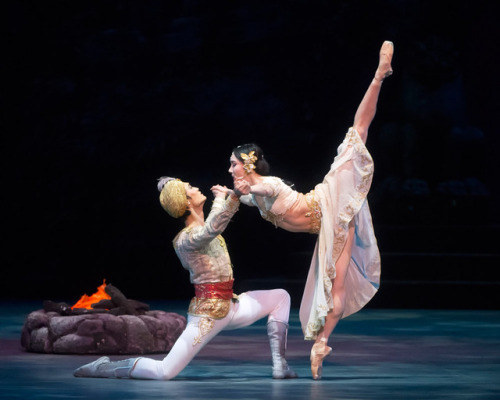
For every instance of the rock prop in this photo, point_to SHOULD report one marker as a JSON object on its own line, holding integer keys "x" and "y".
{"x": 116, "y": 326}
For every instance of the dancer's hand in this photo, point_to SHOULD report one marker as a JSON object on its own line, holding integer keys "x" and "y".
{"x": 220, "y": 191}
{"x": 241, "y": 186}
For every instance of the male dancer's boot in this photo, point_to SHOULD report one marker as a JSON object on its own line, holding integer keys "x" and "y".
{"x": 104, "y": 368}
{"x": 277, "y": 333}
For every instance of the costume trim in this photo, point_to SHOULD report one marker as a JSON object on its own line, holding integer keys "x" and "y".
{"x": 214, "y": 308}
{"x": 272, "y": 218}
{"x": 205, "y": 325}
{"x": 212, "y": 299}
{"x": 314, "y": 212}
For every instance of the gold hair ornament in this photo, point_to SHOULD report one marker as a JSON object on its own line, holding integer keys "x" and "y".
{"x": 248, "y": 161}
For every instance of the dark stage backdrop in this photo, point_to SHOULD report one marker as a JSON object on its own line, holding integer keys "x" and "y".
{"x": 100, "y": 98}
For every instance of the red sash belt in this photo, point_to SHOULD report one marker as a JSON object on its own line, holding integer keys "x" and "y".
{"x": 219, "y": 290}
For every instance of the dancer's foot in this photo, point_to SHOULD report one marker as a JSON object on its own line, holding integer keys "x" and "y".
{"x": 90, "y": 369}
{"x": 318, "y": 352}
{"x": 384, "y": 69}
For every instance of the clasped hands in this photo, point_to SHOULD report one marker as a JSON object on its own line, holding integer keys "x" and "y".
{"x": 220, "y": 191}
{"x": 241, "y": 187}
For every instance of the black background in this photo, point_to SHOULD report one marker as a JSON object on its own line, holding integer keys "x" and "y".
{"x": 100, "y": 98}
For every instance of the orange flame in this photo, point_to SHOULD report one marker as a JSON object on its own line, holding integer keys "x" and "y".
{"x": 87, "y": 301}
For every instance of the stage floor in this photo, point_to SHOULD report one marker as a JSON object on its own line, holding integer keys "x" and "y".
{"x": 378, "y": 354}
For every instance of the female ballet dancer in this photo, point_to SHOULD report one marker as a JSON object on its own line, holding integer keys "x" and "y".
{"x": 345, "y": 269}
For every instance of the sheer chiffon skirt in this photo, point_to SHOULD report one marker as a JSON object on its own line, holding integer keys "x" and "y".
{"x": 342, "y": 197}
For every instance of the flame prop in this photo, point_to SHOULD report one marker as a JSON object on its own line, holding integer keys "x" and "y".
{"x": 87, "y": 301}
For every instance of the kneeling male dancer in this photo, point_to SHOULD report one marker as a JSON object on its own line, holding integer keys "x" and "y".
{"x": 203, "y": 252}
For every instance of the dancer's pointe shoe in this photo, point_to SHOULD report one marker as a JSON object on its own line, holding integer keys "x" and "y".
{"x": 384, "y": 69}
{"x": 318, "y": 353}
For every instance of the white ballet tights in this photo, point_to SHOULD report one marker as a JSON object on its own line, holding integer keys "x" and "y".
{"x": 251, "y": 307}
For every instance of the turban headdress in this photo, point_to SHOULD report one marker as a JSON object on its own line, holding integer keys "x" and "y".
{"x": 173, "y": 196}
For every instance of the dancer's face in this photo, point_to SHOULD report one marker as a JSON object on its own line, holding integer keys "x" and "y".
{"x": 195, "y": 197}
{"x": 236, "y": 169}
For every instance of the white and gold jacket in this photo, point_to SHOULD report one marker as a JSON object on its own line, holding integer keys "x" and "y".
{"x": 203, "y": 252}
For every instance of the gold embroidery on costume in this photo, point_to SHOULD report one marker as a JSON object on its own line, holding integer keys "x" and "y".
{"x": 314, "y": 212}
{"x": 205, "y": 326}
{"x": 212, "y": 299}
{"x": 174, "y": 241}
{"x": 213, "y": 308}
{"x": 223, "y": 245}
{"x": 273, "y": 218}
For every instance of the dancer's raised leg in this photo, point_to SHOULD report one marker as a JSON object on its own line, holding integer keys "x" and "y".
{"x": 368, "y": 106}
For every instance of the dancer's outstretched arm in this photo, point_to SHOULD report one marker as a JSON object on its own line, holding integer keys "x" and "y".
{"x": 368, "y": 106}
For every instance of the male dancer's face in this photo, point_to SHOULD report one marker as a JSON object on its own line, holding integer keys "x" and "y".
{"x": 194, "y": 195}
